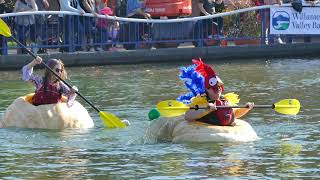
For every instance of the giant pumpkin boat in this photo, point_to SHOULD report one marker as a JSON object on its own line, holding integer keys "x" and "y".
{"x": 23, "y": 114}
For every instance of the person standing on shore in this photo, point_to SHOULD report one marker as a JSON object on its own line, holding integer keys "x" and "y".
{"x": 3, "y": 41}
{"x": 207, "y": 7}
{"x": 88, "y": 22}
{"x": 265, "y": 14}
{"x": 42, "y": 23}
{"x": 219, "y": 7}
{"x": 72, "y": 27}
{"x": 25, "y": 24}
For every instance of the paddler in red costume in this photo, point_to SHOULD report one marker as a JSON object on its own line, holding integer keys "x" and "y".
{"x": 214, "y": 88}
{"x": 49, "y": 89}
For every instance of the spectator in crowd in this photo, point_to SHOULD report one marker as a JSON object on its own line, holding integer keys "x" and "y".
{"x": 99, "y": 5}
{"x": 219, "y": 8}
{"x": 264, "y": 15}
{"x": 101, "y": 36}
{"x": 136, "y": 9}
{"x": 113, "y": 33}
{"x": 3, "y": 40}
{"x": 54, "y": 25}
{"x": 88, "y": 22}
{"x": 122, "y": 9}
{"x": 107, "y": 30}
{"x": 207, "y": 7}
{"x": 72, "y": 27}
{"x": 41, "y": 23}
{"x": 25, "y": 24}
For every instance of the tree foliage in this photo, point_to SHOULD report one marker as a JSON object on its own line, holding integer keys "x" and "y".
{"x": 243, "y": 25}
{"x": 10, "y": 4}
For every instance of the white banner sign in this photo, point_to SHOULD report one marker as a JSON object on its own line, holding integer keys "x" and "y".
{"x": 285, "y": 20}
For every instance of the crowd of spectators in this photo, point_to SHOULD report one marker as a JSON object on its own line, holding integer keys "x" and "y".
{"x": 83, "y": 33}
{"x": 86, "y": 33}
{"x": 210, "y": 7}
{"x": 3, "y": 41}
{"x": 68, "y": 32}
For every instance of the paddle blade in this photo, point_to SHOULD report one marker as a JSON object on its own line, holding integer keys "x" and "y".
{"x": 171, "y": 108}
{"x": 287, "y": 106}
{"x": 233, "y": 98}
{"x": 111, "y": 121}
{"x": 4, "y": 29}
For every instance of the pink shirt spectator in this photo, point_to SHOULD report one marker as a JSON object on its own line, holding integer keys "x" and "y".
{"x": 102, "y": 23}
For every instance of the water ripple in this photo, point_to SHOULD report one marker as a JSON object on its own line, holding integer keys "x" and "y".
{"x": 288, "y": 148}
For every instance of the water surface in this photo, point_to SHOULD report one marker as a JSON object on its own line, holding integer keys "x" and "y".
{"x": 289, "y": 145}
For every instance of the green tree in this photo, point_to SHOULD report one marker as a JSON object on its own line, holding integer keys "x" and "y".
{"x": 10, "y": 4}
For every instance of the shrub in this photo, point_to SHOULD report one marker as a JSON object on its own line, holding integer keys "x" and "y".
{"x": 243, "y": 25}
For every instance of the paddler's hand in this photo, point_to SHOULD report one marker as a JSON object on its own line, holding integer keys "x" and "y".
{"x": 250, "y": 105}
{"x": 212, "y": 106}
{"x": 72, "y": 96}
{"x": 37, "y": 60}
{"x": 147, "y": 15}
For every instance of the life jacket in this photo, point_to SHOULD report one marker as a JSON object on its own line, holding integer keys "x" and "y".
{"x": 51, "y": 95}
{"x": 221, "y": 117}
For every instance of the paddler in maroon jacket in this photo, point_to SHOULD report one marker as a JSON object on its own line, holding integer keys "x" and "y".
{"x": 49, "y": 89}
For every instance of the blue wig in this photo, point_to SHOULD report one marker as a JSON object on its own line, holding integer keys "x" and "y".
{"x": 194, "y": 81}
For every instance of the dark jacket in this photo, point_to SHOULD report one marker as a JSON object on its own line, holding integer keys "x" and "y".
{"x": 4, "y": 9}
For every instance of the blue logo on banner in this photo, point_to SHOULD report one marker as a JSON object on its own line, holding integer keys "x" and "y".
{"x": 280, "y": 20}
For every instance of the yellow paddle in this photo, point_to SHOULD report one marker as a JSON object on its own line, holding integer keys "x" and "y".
{"x": 108, "y": 119}
{"x": 154, "y": 113}
{"x": 172, "y": 108}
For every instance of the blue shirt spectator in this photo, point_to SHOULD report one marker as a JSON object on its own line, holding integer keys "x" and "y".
{"x": 133, "y": 6}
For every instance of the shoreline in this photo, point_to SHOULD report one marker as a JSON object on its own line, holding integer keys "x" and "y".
{"x": 167, "y": 55}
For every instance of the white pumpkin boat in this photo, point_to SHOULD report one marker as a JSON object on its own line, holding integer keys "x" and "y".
{"x": 178, "y": 130}
{"x": 21, "y": 113}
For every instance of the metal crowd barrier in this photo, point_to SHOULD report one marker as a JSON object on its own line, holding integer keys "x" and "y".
{"x": 70, "y": 32}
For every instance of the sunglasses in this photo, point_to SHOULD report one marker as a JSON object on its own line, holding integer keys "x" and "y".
{"x": 58, "y": 70}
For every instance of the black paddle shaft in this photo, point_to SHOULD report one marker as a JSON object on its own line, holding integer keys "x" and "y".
{"x": 222, "y": 107}
{"x": 33, "y": 55}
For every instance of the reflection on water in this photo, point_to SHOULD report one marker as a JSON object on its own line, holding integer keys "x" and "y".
{"x": 289, "y": 146}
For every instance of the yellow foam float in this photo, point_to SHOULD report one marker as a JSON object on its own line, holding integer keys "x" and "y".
{"x": 178, "y": 130}
{"x": 21, "y": 113}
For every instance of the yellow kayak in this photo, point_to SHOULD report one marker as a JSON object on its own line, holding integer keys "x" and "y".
{"x": 21, "y": 113}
